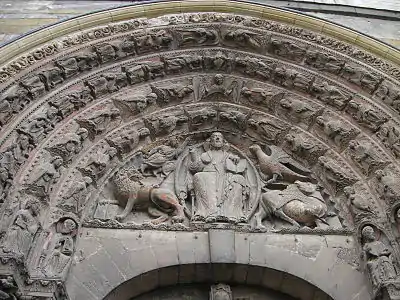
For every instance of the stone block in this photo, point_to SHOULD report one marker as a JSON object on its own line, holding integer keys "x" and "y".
{"x": 222, "y": 246}
{"x": 203, "y": 273}
{"x": 309, "y": 245}
{"x": 168, "y": 276}
{"x": 240, "y": 273}
{"x": 242, "y": 248}
{"x": 222, "y": 272}
{"x": 187, "y": 273}
{"x": 76, "y": 291}
{"x": 184, "y": 244}
{"x": 272, "y": 279}
{"x": 201, "y": 245}
{"x": 255, "y": 275}
{"x": 297, "y": 287}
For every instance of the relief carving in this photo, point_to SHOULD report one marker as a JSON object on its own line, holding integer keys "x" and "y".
{"x": 8, "y": 288}
{"x": 101, "y": 120}
{"x": 99, "y": 162}
{"x": 71, "y": 66}
{"x": 378, "y": 258}
{"x": 244, "y": 39}
{"x": 128, "y": 140}
{"x": 269, "y": 129}
{"x": 264, "y": 97}
{"x": 44, "y": 176}
{"x": 106, "y": 52}
{"x": 388, "y": 94}
{"x": 366, "y": 115}
{"x": 133, "y": 104}
{"x": 159, "y": 202}
{"x": 389, "y": 135}
{"x": 13, "y": 100}
{"x": 173, "y": 92}
{"x": 24, "y": 225}
{"x": 323, "y": 61}
{"x": 73, "y": 200}
{"x": 182, "y": 63}
{"x": 330, "y": 94}
{"x": 57, "y": 255}
{"x": 176, "y": 122}
{"x": 71, "y": 102}
{"x": 336, "y": 130}
{"x": 197, "y": 37}
{"x": 69, "y": 145}
{"x": 34, "y": 85}
{"x": 298, "y": 111}
{"x": 153, "y": 41}
{"x": 287, "y": 49}
{"x": 220, "y": 292}
{"x": 386, "y": 185}
{"x": 360, "y": 76}
{"x": 254, "y": 67}
{"x": 367, "y": 156}
{"x": 299, "y": 203}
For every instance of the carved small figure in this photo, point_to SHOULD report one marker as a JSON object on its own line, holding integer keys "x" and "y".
{"x": 221, "y": 292}
{"x": 70, "y": 145}
{"x": 244, "y": 38}
{"x": 299, "y": 203}
{"x": 278, "y": 165}
{"x": 128, "y": 140}
{"x": 388, "y": 186}
{"x": 99, "y": 122}
{"x": 132, "y": 194}
{"x": 198, "y": 37}
{"x": 378, "y": 257}
{"x": 366, "y": 115}
{"x": 60, "y": 249}
{"x": 218, "y": 88}
{"x": 72, "y": 200}
{"x": 8, "y": 288}
{"x": 51, "y": 77}
{"x": 286, "y": 49}
{"x": 360, "y": 206}
{"x": 98, "y": 163}
{"x": 20, "y": 234}
{"x": 106, "y": 52}
{"x": 44, "y": 177}
{"x": 330, "y": 94}
{"x": 165, "y": 95}
{"x": 34, "y": 85}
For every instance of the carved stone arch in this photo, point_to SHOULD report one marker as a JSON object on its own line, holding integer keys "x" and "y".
{"x": 101, "y": 112}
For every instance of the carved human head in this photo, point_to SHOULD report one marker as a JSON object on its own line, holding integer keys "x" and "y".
{"x": 219, "y": 79}
{"x": 23, "y": 141}
{"x": 368, "y": 234}
{"x": 33, "y": 205}
{"x": 217, "y": 140}
{"x": 68, "y": 226}
{"x": 57, "y": 161}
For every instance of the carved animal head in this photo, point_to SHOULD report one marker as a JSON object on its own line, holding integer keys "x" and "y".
{"x": 306, "y": 187}
{"x": 254, "y": 149}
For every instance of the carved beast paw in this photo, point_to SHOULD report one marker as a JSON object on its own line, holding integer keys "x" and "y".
{"x": 177, "y": 219}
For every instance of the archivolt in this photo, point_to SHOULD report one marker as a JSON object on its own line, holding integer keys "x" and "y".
{"x": 133, "y": 83}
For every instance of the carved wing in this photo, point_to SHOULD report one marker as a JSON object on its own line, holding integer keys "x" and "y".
{"x": 282, "y": 157}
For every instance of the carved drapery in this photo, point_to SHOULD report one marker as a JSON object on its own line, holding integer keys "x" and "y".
{"x": 204, "y": 121}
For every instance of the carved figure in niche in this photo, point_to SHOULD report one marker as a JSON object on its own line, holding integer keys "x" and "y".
{"x": 244, "y": 38}
{"x": 128, "y": 46}
{"x": 166, "y": 124}
{"x": 278, "y": 166}
{"x": 360, "y": 206}
{"x": 378, "y": 257}
{"x": 158, "y": 202}
{"x": 182, "y": 62}
{"x": 24, "y": 225}
{"x": 128, "y": 140}
{"x": 330, "y": 94}
{"x": 284, "y": 76}
{"x": 106, "y": 52}
{"x": 221, "y": 292}
{"x": 60, "y": 249}
{"x": 254, "y": 67}
{"x": 389, "y": 94}
{"x": 153, "y": 41}
{"x": 269, "y": 130}
{"x": 44, "y": 177}
{"x": 99, "y": 122}
{"x": 98, "y": 86}
{"x": 38, "y": 126}
{"x": 366, "y": 115}
{"x": 6, "y": 180}
{"x": 72, "y": 200}
{"x": 160, "y": 161}
{"x": 305, "y": 147}
{"x": 336, "y": 130}
{"x": 367, "y": 156}
{"x": 51, "y": 77}
{"x": 233, "y": 120}
{"x": 297, "y": 110}
{"x": 202, "y": 117}
{"x": 198, "y": 37}
{"x": 98, "y": 163}
{"x": 324, "y": 61}
{"x": 34, "y": 86}
{"x": 286, "y": 49}
{"x": 70, "y": 144}
{"x": 219, "y": 184}
{"x": 263, "y": 97}
{"x": 12, "y": 101}
{"x": 388, "y": 186}
{"x": 218, "y": 88}
{"x": 176, "y": 92}
{"x": 8, "y": 288}
{"x": 68, "y": 104}
{"x": 136, "y": 103}
{"x": 299, "y": 203}
{"x": 217, "y": 62}
{"x": 389, "y": 135}
{"x": 115, "y": 81}
{"x": 361, "y": 77}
